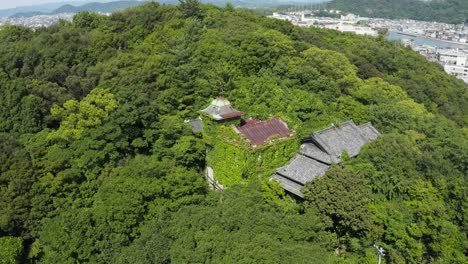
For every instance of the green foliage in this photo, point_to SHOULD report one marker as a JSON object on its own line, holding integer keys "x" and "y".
{"x": 13, "y": 33}
{"x": 98, "y": 166}
{"x": 343, "y": 196}
{"x": 448, "y": 11}
{"x": 236, "y": 226}
{"x": 330, "y": 63}
{"x": 76, "y": 116}
{"x": 10, "y": 249}
{"x": 424, "y": 82}
{"x": 233, "y": 163}
{"x": 190, "y": 8}
{"x": 128, "y": 194}
{"x": 86, "y": 20}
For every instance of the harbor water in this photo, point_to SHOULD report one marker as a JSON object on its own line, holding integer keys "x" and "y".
{"x": 426, "y": 41}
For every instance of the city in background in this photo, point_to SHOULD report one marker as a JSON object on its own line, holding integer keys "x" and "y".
{"x": 444, "y": 43}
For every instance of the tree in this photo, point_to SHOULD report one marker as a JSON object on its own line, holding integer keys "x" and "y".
{"x": 10, "y": 250}
{"x": 98, "y": 166}
{"x": 86, "y": 20}
{"x": 77, "y": 116}
{"x": 190, "y": 8}
{"x": 343, "y": 196}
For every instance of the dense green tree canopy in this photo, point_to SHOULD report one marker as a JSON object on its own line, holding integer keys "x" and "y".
{"x": 447, "y": 11}
{"x": 98, "y": 166}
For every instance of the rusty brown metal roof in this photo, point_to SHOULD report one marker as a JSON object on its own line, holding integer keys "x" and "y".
{"x": 258, "y": 132}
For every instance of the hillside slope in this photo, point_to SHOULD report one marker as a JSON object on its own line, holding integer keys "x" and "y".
{"x": 98, "y": 166}
{"x": 447, "y": 11}
{"x": 97, "y": 7}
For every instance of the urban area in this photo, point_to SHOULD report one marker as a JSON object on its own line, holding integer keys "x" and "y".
{"x": 36, "y": 21}
{"x": 446, "y": 44}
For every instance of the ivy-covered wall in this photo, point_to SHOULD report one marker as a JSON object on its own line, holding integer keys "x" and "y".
{"x": 234, "y": 161}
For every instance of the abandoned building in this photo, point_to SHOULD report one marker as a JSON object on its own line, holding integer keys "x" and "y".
{"x": 319, "y": 150}
{"x": 259, "y": 132}
{"x": 221, "y": 109}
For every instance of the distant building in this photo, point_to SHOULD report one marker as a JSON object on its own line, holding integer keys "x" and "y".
{"x": 349, "y": 17}
{"x": 221, "y": 109}
{"x": 359, "y": 30}
{"x": 459, "y": 69}
{"x": 319, "y": 150}
{"x": 259, "y": 132}
{"x": 280, "y": 16}
{"x": 449, "y": 56}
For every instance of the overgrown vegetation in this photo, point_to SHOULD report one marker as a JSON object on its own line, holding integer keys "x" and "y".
{"x": 98, "y": 166}
{"x": 446, "y": 11}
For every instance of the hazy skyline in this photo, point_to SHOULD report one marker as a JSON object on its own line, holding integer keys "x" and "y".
{"x": 8, "y": 4}
{"x": 5, "y": 4}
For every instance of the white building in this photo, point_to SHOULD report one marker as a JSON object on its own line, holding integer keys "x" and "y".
{"x": 281, "y": 16}
{"x": 459, "y": 69}
{"x": 353, "y": 29}
{"x": 350, "y": 17}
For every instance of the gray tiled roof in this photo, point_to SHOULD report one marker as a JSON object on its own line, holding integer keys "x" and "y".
{"x": 197, "y": 125}
{"x": 345, "y": 137}
{"x": 312, "y": 151}
{"x": 334, "y": 140}
{"x": 302, "y": 169}
{"x": 289, "y": 185}
{"x": 368, "y": 131}
{"x": 319, "y": 150}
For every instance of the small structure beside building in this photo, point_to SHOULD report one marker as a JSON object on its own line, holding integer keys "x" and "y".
{"x": 221, "y": 109}
{"x": 259, "y": 132}
{"x": 196, "y": 124}
{"x": 319, "y": 150}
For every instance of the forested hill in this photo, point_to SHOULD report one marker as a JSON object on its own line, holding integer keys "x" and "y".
{"x": 91, "y": 7}
{"x": 98, "y": 166}
{"x": 97, "y": 7}
{"x": 447, "y": 11}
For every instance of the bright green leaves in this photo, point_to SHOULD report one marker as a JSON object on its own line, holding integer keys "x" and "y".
{"x": 14, "y": 33}
{"x": 143, "y": 188}
{"x": 240, "y": 164}
{"x": 377, "y": 91}
{"x": 236, "y": 226}
{"x": 330, "y": 63}
{"x": 115, "y": 176}
{"x": 394, "y": 224}
{"x": 77, "y": 116}
{"x": 87, "y": 21}
{"x": 390, "y": 164}
{"x": 10, "y": 249}
{"x": 343, "y": 196}
{"x": 190, "y": 8}
{"x": 263, "y": 48}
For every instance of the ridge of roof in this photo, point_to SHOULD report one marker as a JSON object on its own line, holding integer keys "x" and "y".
{"x": 309, "y": 162}
{"x": 221, "y": 109}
